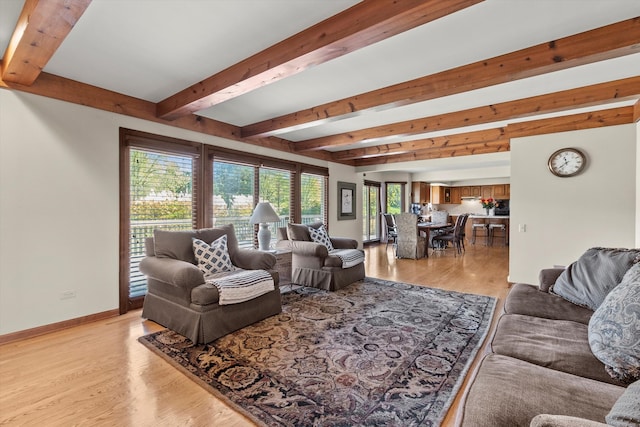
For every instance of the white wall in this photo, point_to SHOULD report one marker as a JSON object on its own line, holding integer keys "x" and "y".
{"x": 59, "y": 215}
{"x": 566, "y": 216}
{"x": 638, "y": 185}
{"x": 351, "y": 227}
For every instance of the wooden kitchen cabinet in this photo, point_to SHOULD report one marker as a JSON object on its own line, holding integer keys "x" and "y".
{"x": 445, "y": 195}
{"x": 437, "y": 195}
{"x": 498, "y": 191}
{"x": 456, "y": 195}
{"x": 501, "y": 191}
{"x": 487, "y": 191}
{"x": 420, "y": 192}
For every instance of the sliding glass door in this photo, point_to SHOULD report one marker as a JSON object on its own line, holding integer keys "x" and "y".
{"x": 371, "y": 211}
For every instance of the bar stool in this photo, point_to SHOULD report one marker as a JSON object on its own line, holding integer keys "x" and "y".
{"x": 501, "y": 228}
{"x": 479, "y": 226}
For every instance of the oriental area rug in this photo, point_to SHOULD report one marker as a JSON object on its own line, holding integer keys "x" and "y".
{"x": 375, "y": 353}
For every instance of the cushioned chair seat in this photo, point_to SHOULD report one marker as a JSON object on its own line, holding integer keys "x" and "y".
{"x": 508, "y": 392}
{"x": 556, "y": 344}
{"x": 530, "y": 301}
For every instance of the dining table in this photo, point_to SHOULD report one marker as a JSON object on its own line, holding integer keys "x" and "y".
{"x": 427, "y": 227}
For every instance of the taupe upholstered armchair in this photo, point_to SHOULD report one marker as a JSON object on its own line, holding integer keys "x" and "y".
{"x": 316, "y": 265}
{"x": 179, "y": 298}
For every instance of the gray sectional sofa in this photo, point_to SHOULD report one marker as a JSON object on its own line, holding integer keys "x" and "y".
{"x": 541, "y": 369}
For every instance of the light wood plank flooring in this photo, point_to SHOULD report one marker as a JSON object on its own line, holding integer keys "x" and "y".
{"x": 99, "y": 375}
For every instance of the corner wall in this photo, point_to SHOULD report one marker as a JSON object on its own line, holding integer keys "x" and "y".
{"x": 638, "y": 185}
{"x": 566, "y": 216}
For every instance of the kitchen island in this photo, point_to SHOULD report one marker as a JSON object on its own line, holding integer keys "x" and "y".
{"x": 499, "y": 237}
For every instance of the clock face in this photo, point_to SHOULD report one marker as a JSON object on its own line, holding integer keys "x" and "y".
{"x": 567, "y": 162}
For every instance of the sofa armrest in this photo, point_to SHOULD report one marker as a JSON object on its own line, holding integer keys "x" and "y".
{"x": 546, "y": 420}
{"x": 250, "y": 259}
{"x": 548, "y": 277}
{"x": 344, "y": 243}
{"x": 172, "y": 271}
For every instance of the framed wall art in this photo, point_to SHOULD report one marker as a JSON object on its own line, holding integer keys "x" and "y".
{"x": 346, "y": 200}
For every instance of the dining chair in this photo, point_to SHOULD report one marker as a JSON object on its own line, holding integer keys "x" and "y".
{"x": 410, "y": 243}
{"x": 463, "y": 231}
{"x": 454, "y": 237}
{"x": 439, "y": 217}
{"x": 392, "y": 229}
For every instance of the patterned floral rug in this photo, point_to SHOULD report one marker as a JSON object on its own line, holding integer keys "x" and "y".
{"x": 376, "y": 353}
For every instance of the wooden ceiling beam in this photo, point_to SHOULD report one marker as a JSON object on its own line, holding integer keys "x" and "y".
{"x": 365, "y": 23}
{"x": 63, "y": 89}
{"x": 603, "y": 43}
{"x": 590, "y": 120}
{"x": 439, "y": 153}
{"x": 42, "y": 27}
{"x": 448, "y": 141}
{"x": 554, "y": 102}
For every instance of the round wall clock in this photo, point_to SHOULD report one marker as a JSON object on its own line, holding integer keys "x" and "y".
{"x": 567, "y": 162}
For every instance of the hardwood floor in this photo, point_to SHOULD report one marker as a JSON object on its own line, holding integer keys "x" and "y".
{"x": 99, "y": 375}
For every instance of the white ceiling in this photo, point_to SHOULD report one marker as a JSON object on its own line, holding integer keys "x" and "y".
{"x": 153, "y": 49}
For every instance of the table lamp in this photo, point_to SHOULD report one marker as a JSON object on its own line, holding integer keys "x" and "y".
{"x": 262, "y": 214}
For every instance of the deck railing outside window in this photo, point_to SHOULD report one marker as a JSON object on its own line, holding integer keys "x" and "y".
{"x": 140, "y": 230}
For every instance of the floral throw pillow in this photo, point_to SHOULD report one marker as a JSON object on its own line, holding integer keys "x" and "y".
{"x": 614, "y": 329}
{"x": 213, "y": 258}
{"x": 319, "y": 235}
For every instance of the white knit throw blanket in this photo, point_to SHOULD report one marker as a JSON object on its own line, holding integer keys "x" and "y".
{"x": 349, "y": 257}
{"x": 241, "y": 285}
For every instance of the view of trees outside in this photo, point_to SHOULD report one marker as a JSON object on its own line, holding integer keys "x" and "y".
{"x": 232, "y": 190}
{"x": 160, "y": 191}
{"x": 394, "y": 198}
{"x": 161, "y": 186}
{"x": 275, "y": 188}
{"x": 370, "y": 211}
{"x": 161, "y": 196}
{"x": 312, "y": 198}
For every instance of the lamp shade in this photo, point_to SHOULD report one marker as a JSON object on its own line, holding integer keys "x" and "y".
{"x": 264, "y": 213}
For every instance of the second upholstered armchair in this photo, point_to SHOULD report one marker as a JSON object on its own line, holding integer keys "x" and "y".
{"x": 320, "y": 261}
